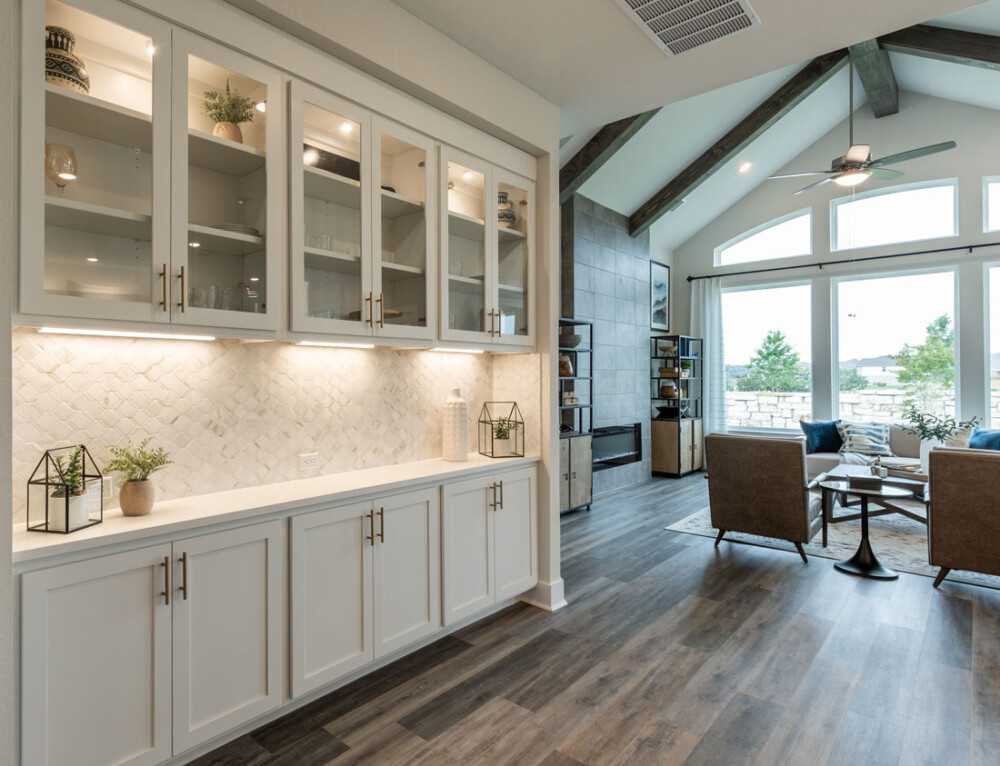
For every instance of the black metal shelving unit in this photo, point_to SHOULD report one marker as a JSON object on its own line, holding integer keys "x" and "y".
{"x": 676, "y": 367}
{"x": 576, "y": 419}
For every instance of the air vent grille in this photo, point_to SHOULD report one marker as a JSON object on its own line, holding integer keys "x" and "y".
{"x": 680, "y": 25}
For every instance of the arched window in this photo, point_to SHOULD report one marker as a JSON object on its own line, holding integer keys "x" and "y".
{"x": 783, "y": 237}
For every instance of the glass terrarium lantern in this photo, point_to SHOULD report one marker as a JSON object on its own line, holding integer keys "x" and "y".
{"x": 501, "y": 430}
{"x": 65, "y": 491}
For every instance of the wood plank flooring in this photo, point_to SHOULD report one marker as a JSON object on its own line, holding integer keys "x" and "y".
{"x": 673, "y": 652}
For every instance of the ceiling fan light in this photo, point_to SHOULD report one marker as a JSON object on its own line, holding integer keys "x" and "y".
{"x": 851, "y": 177}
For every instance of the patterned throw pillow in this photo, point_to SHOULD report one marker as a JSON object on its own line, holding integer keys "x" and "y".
{"x": 865, "y": 438}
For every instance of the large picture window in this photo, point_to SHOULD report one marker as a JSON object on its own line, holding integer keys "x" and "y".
{"x": 783, "y": 237}
{"x": 993, "y": 362}
{"x": 893, "y": 215}
{"x": 767, "y": 338}
{"x": 991, "y": 204}
{"x": 896, "y": 339}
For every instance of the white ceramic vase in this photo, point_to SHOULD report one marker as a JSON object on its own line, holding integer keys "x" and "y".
{"x": 455, "y": 427}
{"x": 79, "y": 512}
{"x": 926, "y": 445}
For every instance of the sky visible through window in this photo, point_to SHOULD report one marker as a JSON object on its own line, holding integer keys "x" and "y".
{"x": 782, "y": 240}
{"x": 994, "y": 361}
{"x": 904, "y": 216}
{"x": 993, "y": 206}
{"x": 748, "y": 315}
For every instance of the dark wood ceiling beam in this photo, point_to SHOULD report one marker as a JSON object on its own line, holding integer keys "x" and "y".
{"x": 597, "y": 151}
{"x": 877, "y": 77}
{"x": 954, "y": 45}
{"x": 776, "y": 106}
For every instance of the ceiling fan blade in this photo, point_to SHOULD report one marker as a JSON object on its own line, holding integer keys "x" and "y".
{"x": 859, "y": 153}
{"x": 800, "y": 175}
{"x": 813, "y": 186}
{"x": 892, "y": 159}
{"x": 885, "y": 174}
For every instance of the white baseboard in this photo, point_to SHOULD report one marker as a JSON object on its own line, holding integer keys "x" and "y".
{"x": 549, "y": 596}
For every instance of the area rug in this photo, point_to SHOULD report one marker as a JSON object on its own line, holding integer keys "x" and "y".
{"x": 899, "y": 542}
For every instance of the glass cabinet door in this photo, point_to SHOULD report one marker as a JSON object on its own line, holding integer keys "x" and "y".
{"x": 96, "y": 213}
{"x": 402, "y": 237}
{"x": 332, "y": 288}
{"x": 467, "y": 308}
{"x": 514, "y": 265}
{"x": 226, "y": 187}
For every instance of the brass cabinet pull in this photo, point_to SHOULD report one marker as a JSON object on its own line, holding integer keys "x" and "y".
{"x": 501, "y": 493}
{"x": 499, "y": 335}
{"x": 181, "y": 304}
{"x": 166, "y": 579}
{"x": 163, "y": 276}
{"x": 184, "y": 575}
{"x": 371, "y": 520}
{"x": 491, "y": 322}
{"x": 381, "y": 310}
{"x": 381, "y": 524}
{"x": 371, "y": 309}
{"x": 492, "y": 505}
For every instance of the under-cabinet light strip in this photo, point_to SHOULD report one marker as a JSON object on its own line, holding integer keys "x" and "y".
{"x": 330, "y": 344}
{"x": 459, "y": 350}
{"x": 122, "y": 334}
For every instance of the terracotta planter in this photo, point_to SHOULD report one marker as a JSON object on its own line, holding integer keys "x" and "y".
{"x": 137, "y": 497}
{"x": 229, "y": 131}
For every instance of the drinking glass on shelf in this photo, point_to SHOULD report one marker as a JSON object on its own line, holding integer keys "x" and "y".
{"x": 60, "y": 165}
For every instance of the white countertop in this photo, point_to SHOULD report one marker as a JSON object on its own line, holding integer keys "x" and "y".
{"x": 189, "y": 513}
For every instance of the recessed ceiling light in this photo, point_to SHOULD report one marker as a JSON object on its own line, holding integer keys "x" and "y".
{"x": 255, "y": 279}
{"x": 194, "y": 244}
{"x": 745, "y": 167}
{"x": 121, "y": 334}
{"x": 310, "y": 156}
{"x": 261, "y": 106}
{"x": 92, "y": 259}
{"x": 331, "y": 344}
{"x": 467, "y": 175}
{"x": 346, "y": 127}
{"x": 68, "y": 176}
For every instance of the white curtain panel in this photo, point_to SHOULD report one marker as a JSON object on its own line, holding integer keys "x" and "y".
{"x": 706, "y": 323}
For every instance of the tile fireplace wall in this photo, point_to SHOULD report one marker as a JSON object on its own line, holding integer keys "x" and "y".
{"x": 236, "y": 414}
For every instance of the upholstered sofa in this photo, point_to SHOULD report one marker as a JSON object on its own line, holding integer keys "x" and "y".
{"x": 905, "y": 449}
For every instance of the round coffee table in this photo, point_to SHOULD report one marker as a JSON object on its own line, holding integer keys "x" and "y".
{"x": 864, "y": 563}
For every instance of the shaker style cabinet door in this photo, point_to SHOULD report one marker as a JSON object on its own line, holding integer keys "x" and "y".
{"x": 514, "y": 250}
{"x": 227, "y": 188}
{"x": 95, "y": 183}
{"x": 467, "y": 539}
{"x": 516, "y": 533}
{"x": 95, "y": 659}
{"x": 228, "y": 630}
{"x": 331, "y": 587}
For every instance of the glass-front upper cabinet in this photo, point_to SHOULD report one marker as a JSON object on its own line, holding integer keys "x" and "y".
{"x": 95, "y": 121}
{"x": 515, "y": 236}
{"x": 228, "y": 115}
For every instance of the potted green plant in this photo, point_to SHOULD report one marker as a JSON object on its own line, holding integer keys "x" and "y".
{"x": 934, "y": 430}
{"x": 228, "y": 110}
{"x": 502, "y": 428}
{"x": 71, "y": 475}
{"x": 136, "y": 462}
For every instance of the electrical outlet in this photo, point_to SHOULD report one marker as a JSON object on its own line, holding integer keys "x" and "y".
{"x": 308, "y": 461}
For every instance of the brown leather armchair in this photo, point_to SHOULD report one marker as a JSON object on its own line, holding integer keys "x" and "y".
{"x": 963, "y": 521}
{"x": 758, "y": 486}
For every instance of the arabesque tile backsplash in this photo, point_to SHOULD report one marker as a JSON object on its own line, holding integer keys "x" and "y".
{"x": 238, "y": 414}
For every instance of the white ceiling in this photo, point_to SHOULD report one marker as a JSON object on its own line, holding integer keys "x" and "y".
{"x": 589, "y": 59}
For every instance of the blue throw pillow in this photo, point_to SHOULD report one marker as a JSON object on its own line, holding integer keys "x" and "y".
{"x": 983, "y": 439}
{"x": 821, "y": 437}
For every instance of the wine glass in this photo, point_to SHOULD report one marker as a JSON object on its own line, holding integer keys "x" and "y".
{"x": 60, "y": 165}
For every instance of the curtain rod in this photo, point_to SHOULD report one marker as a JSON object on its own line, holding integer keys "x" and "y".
{"x": 842, "y": 261}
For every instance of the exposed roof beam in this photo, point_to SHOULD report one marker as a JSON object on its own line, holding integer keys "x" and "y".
{"x": 971, "y": 48}
{"x": 597, "y": 151}
{"x": 776, "y": 106}
{"x": 877, "y": 77}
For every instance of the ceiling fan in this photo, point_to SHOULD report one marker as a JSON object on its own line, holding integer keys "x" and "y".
{"x": 857, "y": 165}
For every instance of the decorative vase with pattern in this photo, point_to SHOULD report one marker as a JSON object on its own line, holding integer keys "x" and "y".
{"x": 63, "y": 67}
{"x": 505, "y": 210}
{"x": 455, "y": 430}
{"x": 136, "y": 497}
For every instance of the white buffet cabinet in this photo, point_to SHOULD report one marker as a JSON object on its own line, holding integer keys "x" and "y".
{"x": 153, "y": 639}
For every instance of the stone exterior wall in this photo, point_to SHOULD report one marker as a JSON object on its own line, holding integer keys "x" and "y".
{"x": 783, "y": 410}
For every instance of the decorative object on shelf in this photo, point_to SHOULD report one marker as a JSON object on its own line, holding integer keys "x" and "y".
{"x": 60, "y": 165}
{"x": 136, "y": 462}
{"x": 455, "y": 428}
{"x": 65, "y": 491}
{"x": 505, "y": 211}
{"x": 63, "y": 67}
{"x": 570, "y": 341}
{"x": 659, "y": 296}
{"x": 501, "y": 430}
{"x": 934, "y": 430}
{"x": 334, "y": 163}
{"x": 565, "y": 366}
{"x": 228, "y": 110}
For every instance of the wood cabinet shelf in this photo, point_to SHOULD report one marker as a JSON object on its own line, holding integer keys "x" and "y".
{"x": 227, "y": 242}
{"x": 208, "y": 151}
{"x": 330, "y": 187}
{"x": 89, "y": 116}
{"x": 98, "y": 219}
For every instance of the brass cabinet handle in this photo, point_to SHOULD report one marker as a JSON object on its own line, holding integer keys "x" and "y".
{"x": 381, "y": 524}
{"x": 492, "y": 505}
{"x": 371, "y": 520}
{"x": 381, "y": 310}
{"x": 499, "y": 335}
{"x": 181, "y": 304}
{"x": 163, "y": 276}
{"x": 501, "y": 494}
{"x": 371, "y": 309}
{"x": 166, "y": 578}
{"x": 184, "y": 575}
{"x": 491, "y": 322}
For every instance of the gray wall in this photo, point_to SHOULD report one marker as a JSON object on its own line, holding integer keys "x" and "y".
{"x": 605, "y": 279}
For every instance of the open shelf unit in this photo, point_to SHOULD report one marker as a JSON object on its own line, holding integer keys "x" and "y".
{"x": 576, "y": 421}
{"x": 675, "y": 374}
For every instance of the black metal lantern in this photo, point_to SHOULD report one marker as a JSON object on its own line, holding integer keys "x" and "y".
{"x": 65, "y": 491}
{"x": 501, "y": 430}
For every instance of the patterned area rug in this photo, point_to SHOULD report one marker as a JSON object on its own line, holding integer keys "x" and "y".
{"x": 900, "y": 543}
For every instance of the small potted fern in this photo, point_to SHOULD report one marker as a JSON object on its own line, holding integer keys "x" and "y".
{"x": 228, "y": 110}
{"x": 136, "y": 462}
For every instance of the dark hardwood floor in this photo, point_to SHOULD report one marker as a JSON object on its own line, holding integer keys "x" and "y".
{"x": 674, "y": 652}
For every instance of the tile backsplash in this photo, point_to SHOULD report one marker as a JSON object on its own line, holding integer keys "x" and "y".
{"x": 238, "y": 414}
